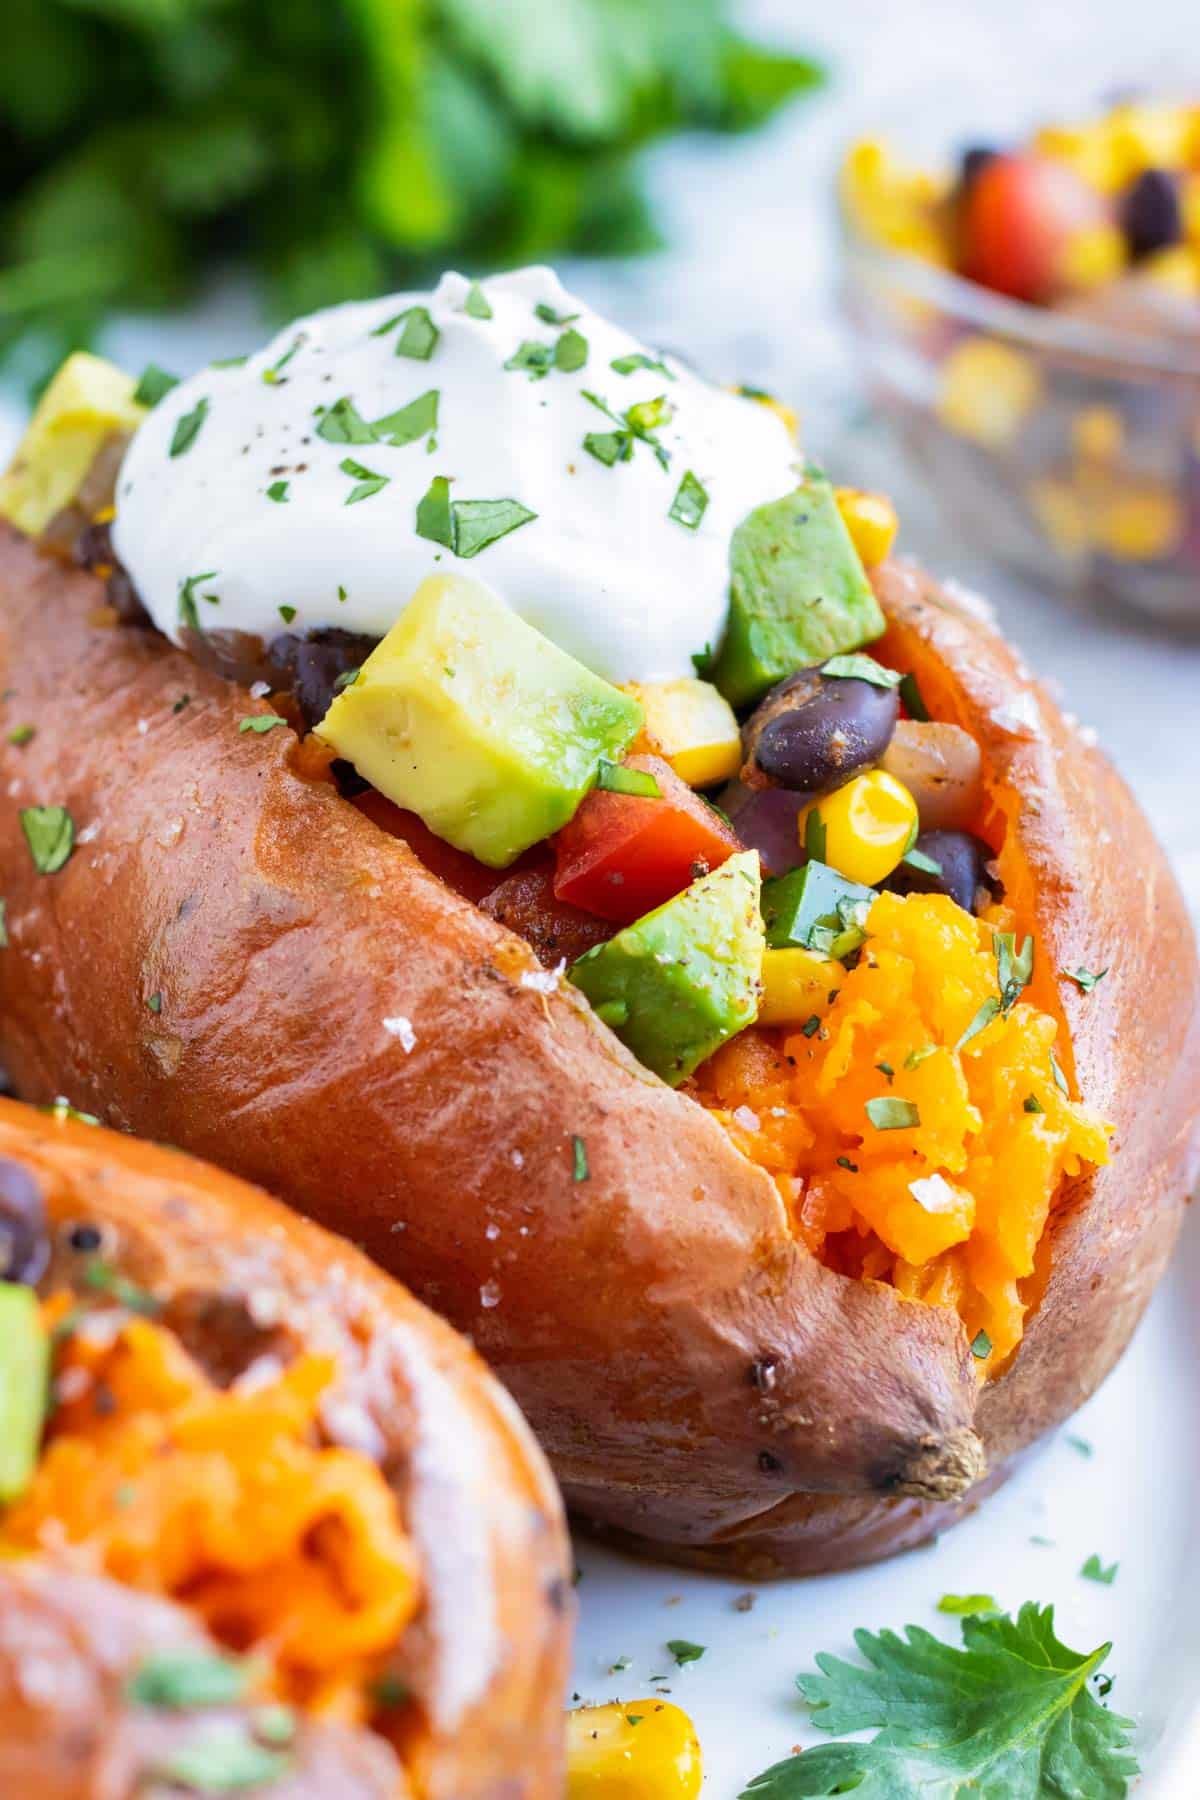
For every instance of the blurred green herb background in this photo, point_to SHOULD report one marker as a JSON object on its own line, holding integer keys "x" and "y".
{"x": 337, "y": 147}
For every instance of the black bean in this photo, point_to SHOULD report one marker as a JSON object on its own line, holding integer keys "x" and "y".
{"x": 24, "y": 1232}
{"x": 310, "y": 666}
{"x": 1151, "y": 214}
{"x": 812, "y": 733}
{"x": 963, "y": 864}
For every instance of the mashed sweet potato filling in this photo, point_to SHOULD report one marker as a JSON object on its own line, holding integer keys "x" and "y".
{"x": 946, "y": 1192}
{"x": 224, "y": 1500}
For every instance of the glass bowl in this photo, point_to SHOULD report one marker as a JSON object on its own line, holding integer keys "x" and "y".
{"x": 1068, "y": 448}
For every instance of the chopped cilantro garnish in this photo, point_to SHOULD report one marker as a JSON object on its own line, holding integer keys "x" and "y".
{"x": 342, "y": 423}
{"x": 1080, "y": 1444}
{"x": 367, "y": 481}
{"x": 154, "y": 1003}
{"x": 885, "y": 1068}
{"x": 857, "y": 666}
{"x": 1060, "y": 1080}
{"x": 278, "y": 491}
{"x": 548, "y": 316}
{"x": 981, "y": 1346}
{"x": 188, "y": 614}
{"x": 570, "y": 352}
{"x": 1014, "y": 968}
{"x": 104, "y": 1279}
{"x": 418, "y": 334}
{"x": 843, "y": 1162}
{"x": 1031, "y": 1104}
{"x": 178, "y": 1679}
{"x": 50, "y": 834}
{"x": 888, "y": 1112}
{"x": 532, "y": 358}
{"x": 811, "y": 1025}
{"x": 579, "y": 1160}
{"x": 683, "y": 1652}
{"x": 187, "y": 428}
{"x": 915, "y": 1058}
{"x": 967, "y": 1606}
{"x": 274, "y": 374}
{"x": 814, "y": 836}
{"x": 690, "y": 502}
{"x": 261, "y": 722}
{"x": 22, "y": 734}
{"x": 224, "y": 1760}
{"x": 609, "y": 447}
{"x": 287, "y": 614}
{"x": 1083, "y": 978}
{"x": 637, "y": 359}
{"x": 153, "y": 384}
{"x": 410, "y": 422}
{"x": 910, "y": 693}
{"x": 476, "y": 305}
{"x": 980, "y": 1022}
{"x": 1094, "y": 1570}
{"x": 917, "y": 859}
{"x": 466, "y": 526}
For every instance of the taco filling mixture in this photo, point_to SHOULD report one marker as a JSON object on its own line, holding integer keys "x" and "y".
{"x": 594, "y": 639}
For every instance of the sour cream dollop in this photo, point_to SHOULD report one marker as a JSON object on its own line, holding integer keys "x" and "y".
{"x": 265, "y": 497}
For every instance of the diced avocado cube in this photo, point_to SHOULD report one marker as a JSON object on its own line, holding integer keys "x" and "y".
{"x": 472, "y": 719}
{"x": 798, "y": 593}
{"x": 87, "y": 402}
{"x": 24, "y": 1375}
{"x": 817, "y": 909}
{"x": 679, "y": 982}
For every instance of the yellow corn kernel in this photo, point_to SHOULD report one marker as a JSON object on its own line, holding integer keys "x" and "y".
{"x": 643, "y": 1750}
{"x": 893, "y": 204}
{"x": 796, "y": 985}
{"x": 1087, "y": 149}
{"x": 1062, "y": 515}
{"x": 866, "y": 826}
{"x": 1176, "y": 271}
{"x": 1098, "y": 433}
{"x": 1153, "y": 135}
{"x": 987, "y": 391}
{"x": 871, "y": 521}
{"x": 1140, "y": 524}
{"x": 690, "y": 724}
{"x": 1190, "y": 203}
{"x": 1093, "y": 256}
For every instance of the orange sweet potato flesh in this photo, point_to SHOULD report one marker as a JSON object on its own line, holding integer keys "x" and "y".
{"x": 704, "y": 1385}
{"x": 241, "y": 1282}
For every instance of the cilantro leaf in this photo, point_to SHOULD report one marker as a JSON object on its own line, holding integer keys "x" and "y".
{"x": 187, "y": 428}
{"x": 466, "y": 526}
{"x": 50, "y": 835}
{"x": 153, "y": 385}
{"x": 342, "y": 423}
{"x": 690, "y": 503}
{"x": 409, "y": 422}
{"x": 1007, "y": 1717}
{"x": 477, "y": 305}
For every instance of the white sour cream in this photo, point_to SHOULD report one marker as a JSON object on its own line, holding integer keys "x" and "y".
{"x": 602, "y": 569}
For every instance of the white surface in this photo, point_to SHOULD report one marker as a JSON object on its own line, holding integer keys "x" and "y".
{"x": 1132, "y": 1501}
{"x": 747, "y": 292}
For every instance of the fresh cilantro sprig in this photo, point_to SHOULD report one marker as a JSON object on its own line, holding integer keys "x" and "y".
{"x": 1008, "y": 1714}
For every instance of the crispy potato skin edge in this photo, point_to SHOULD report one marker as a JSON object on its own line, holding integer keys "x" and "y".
{"x": 701, "y": 1383}
{"x": 490, "y": 1646}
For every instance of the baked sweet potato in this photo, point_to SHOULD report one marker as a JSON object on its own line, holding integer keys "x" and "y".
{"x": 235, "y": 959}
{"x": 278, "y": 1507}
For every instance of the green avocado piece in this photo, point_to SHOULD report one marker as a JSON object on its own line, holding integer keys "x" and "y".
{"x": 472, "y": 719}
{"x": 815, "y": 908}
{"x": 676, "y": 984}
{"x": 798, "y": 593}
{"x": 24, "y": 1378}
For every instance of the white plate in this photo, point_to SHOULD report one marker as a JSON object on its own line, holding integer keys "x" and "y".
{"x": 1134, "y": 1501}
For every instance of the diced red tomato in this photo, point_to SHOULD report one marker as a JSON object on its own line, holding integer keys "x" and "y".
{"x": 554, "y": 929}
{"x": 1018, "y": 216}
{"x": 624, "y": 854}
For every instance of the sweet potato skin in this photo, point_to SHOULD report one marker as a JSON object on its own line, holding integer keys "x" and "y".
{"x": 701, "y": 1383}
{"x": 238, "y": 1277}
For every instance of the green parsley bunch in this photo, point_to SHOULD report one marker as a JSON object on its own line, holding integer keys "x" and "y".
{"x": 337, "y": 146}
